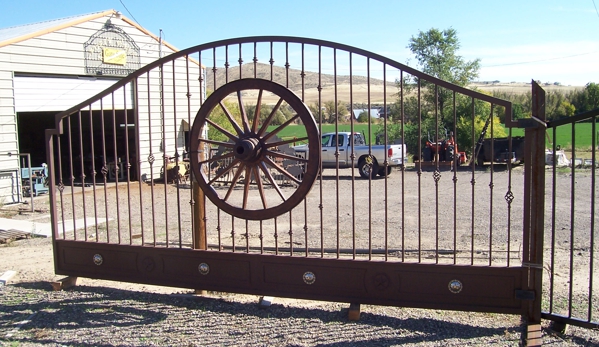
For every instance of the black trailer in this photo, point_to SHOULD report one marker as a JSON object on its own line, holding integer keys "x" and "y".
{"x": 498, "y": 150}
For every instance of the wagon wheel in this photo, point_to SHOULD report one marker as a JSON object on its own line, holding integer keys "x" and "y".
{"x": 255, "y": 160}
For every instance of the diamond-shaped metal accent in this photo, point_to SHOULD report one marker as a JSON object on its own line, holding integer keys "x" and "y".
{"x": 104, "y": 170}
{"x": 151, "y": 159}
{"x": 509, "y": 197}
{"x": 437, "y": 176}
{"x": 60, "y": 187}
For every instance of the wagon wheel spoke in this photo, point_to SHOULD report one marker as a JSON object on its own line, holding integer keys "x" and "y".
{"x": 260, "y": 187}
{"x": 286, "y": 156}
{"x": 281, "y": 127}
{"x": 244, "y": 116}
{"x": 272, "y": 180}
{"x": 282, "y": 170}
{"x": 222, "y": 130}
{"x": 224, "y": 171}
{"x": 246, "y": 187}
{"x": 250, "y": 182}
{"x": 217, "y": 158}
{"x": 231, "y": 119}
{"x": 234, "y": 181}
{"x": 270, "y": 117}
{"x": 218, "y": 143}
{"x": 257, "y": 113}
{"x": 280, "y": 143}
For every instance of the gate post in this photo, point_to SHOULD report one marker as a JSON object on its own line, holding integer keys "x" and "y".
{"x": 199, "y": 210}
{"x": 534, "y": 212}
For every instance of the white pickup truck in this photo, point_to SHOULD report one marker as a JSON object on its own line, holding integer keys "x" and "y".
{"x": 366, "y": 158}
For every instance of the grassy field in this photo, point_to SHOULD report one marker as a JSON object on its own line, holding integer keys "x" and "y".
{"x": 298, "y": 131}
{"x": 583, "y": 134}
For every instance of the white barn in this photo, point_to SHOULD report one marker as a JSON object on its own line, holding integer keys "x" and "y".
{"x": 49, "y": 67}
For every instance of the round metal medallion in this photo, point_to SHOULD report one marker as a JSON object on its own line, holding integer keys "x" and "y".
{"x": 203, "y": 268}
{"x": 309, "y": 277}
{"x": 455, "y": 286}
{"x": 98, "y": 260}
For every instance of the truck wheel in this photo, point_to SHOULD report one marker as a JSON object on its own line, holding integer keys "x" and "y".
{"x": 366, "y": 169}
{"x": 382, "y": 172}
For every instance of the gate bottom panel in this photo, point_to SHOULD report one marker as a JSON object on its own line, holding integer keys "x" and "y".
{"x": 453, "y": 287}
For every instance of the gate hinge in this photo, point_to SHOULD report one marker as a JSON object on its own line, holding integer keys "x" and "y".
{"x": 525, "y": 294}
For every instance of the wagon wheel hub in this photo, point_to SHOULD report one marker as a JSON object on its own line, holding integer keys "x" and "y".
{"x": 254, "y": 174}
{"x": 248, "y": 150}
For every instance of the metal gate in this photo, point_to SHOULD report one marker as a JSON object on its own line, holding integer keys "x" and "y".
{"x": 430, "y": 234}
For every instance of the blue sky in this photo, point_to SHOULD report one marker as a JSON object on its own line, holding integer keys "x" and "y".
{"x": 548, "y": 40}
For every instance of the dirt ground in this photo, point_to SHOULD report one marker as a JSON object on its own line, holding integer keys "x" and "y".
{"x": 411, "y": 200}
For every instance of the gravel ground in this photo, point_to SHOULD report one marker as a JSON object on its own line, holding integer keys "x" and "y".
{"x": 105, "y": 313}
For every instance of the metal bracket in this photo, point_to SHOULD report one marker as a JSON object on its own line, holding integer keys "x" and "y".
{"x": 525, "y": 294}
{"x": 532, "y": 122}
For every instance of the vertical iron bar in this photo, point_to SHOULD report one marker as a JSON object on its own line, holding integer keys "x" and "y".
{"x": 321, "y": 207}
{"x": 472, "y": 182}
{"x": 104, "y": 169}
{"x": 164, "y": 155}
{"x": 70, "y": 133}
{"x": 353, "y": 155}
{"x": 151, "y": 159}
{"x": 261, "y": 238}
{"x": 457, "y": 161}
{"x": 226, "y": 64}
{"x": 553, "y": 215}
{"x": 233, "y": 233}
{"x": 509, "y": 193}
{"x": 336, "y": 148}
{"x": 437, "y": 159}
{"x": 572, "y": 221}
{"x": 372, "y": 165}
{"x": 93, "y": 157}
{"x": 403, "y": 168}
{"x": 82, "y": 166}
{"x": 419, "y": 172}
{"x": 491, "y": 186}
{"x": 247, "y": 236}
{"x": 240, "y": 63}
{"x": 386, "y": 162}
{"x": 290, "y": 233}
{"x": 128, "y": 162}
{"x": 276, "y": 235}
{"x": 117, "y": 169}
{"x": 138, "y": 153}
{"x": 177, "y": 155}
{"x": 592, "y": 245}
{"x": 255, "y": 59}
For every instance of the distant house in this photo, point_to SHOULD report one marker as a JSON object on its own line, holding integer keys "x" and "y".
{"x": 51, "y": 66}
{"x": 378, "y": 112}
{"x": 374, "y": 112}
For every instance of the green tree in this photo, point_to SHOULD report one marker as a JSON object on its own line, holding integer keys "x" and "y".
{"x": 363, "y": 117}
{"x": 436, "y": 54}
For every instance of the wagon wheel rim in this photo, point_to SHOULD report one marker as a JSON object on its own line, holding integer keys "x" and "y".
{"x": 250, "y": 156}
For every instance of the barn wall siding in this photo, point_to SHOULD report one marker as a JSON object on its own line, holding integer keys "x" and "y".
{"x": 61, "y": 54}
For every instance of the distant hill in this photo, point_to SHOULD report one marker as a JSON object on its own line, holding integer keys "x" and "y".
{"x": 293, "y": 78}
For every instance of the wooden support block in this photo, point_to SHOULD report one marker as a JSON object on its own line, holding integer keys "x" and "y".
{"x": 64, "y": 283}
{"x": 136, "y": 236}
{"x": 354, "y": 312}
{"x": 201, "y": 292}
{"x": 265, "y": 301}
{"x": 559, "y": 327}
{"x": 6, "y": 277}
{"x": 534, "y": 335}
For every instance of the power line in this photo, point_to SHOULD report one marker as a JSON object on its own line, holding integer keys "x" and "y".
{"x": 129, "y": 12}
{"x": 596, "y": 8}
{"x": 541, "y": 60}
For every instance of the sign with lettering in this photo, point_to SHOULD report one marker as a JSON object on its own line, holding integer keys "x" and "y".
{"x": 110, "y": 51}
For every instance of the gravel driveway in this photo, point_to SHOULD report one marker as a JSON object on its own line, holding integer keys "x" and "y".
{"x": 105, "y": 313}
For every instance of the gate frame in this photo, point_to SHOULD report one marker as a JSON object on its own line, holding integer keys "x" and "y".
{"x": 383, "y": 283}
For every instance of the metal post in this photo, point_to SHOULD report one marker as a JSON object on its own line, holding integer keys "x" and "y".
{"x": 534, "y": 213}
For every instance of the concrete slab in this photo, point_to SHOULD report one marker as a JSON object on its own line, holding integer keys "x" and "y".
{"x": 45, "y": 229}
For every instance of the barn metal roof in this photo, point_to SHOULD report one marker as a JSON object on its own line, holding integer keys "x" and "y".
{"x": 23, "y": 32}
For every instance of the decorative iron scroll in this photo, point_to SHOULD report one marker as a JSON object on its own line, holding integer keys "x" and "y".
{"x": 110, "y": 51}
